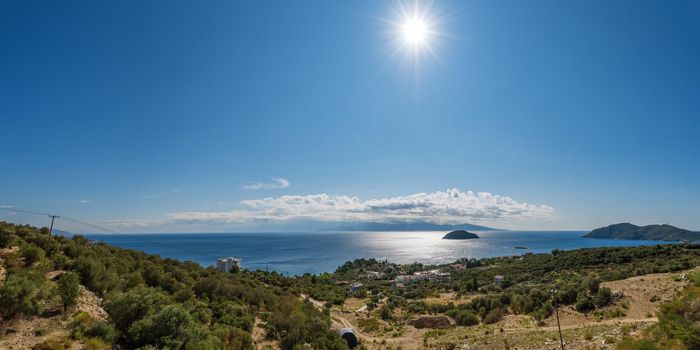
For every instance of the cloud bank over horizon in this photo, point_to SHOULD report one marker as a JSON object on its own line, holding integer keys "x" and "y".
{"x": 451, "y": 206}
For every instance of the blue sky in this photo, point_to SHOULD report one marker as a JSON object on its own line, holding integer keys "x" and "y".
{"x": 164, "y": 115}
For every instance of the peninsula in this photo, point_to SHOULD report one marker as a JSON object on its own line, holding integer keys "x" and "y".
{"x": 649, "y": 232}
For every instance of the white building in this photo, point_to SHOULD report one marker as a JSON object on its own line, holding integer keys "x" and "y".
{"x": 226, "y": 264}
{"x": 498, "y": 280}
{"x": 433, "y": 275}
{"x": 355, "y": 286}
{"x": 374, "y": 275}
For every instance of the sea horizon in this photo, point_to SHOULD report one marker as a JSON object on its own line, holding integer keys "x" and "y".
{"x": 288, "y": 252}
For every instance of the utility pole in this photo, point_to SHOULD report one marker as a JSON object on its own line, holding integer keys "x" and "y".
{"x": 53, "y": 217}
{"x": 556, "y": 312}
{"x": 561, "y": 339}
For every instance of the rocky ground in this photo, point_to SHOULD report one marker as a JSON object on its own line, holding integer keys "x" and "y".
{"x": 24, "y": 333}
{"x": 633, "y": 311}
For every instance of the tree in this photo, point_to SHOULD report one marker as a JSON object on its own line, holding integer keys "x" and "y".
{"x": 31, "y": 254}
{"x": 603, "y": 297}
{"x": 466, "y": 318}
{"x": 21, "y": 295}
{"x": 493, "y": 316}
{"x": 385, "y": 312}
{"x": 234, "y": 338}
{"x": 583, "y": 303}
{"x": 592, "y": 284}
{"x": 134, "y": 305}
{"x": 68, "y": 289}
{"x": 167, "y": 328}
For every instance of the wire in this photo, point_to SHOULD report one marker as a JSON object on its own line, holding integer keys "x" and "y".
{"x": 103, "y": 229}
{"x": 24, "y": 211}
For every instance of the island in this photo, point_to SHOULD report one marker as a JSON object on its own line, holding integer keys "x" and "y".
{"x": 460, "y": 234}
{"x": 649, "y": 232}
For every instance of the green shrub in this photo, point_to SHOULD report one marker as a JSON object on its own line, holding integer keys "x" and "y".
{"x": 68, "y": 289}
{"x": 31, "y": 254}
{"x": 234, "y": 338}
{"x": 466, "y": 318}
{"x": 21, "y": 294}
{"x": 493, "y": 316}
{"x": 50, "y": 344}
{"x": 584, "y": 303}
{"x": 603, "y": 297}
{"x": 636, "y": 344}
{"x": 385, "y": 312}
{"x": 102, "y": 330}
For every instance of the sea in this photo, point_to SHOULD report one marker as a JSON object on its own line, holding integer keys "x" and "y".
{"x": 318, "y": 252}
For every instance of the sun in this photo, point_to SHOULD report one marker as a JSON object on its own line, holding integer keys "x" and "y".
{"x": 415, "y": 31}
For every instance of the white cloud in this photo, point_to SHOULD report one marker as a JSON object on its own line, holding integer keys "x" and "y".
{"x": 277, "y": 183}
{"x": 80, "y": 201}
{"x": 450, "y": 206}
{"x": 7, "y": 206}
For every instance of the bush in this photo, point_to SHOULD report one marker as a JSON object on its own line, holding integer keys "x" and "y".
{"x": 22, "y": 294}
{"x": 166, "y": 328}
{"x": 466, "y": 318}
{"x": 32, "y": 254}
{"x": 603, "y": 297}
{"x": 583, "y": 303}
{"x": 6, "y": 237}
{"x": 493, "y": 316}
{"x": 385, "y": 312}
{"x": 96, "y": 344}
{"x": 133, "y": 306}
{"x": 592, "y": 284}
{"x": 102, "y": 330}
{"x": 636, "y": 344}
{"x": 50, "y": 344}
{"x": 79, "y": 325}
{"x": 234, "y": 338}
{"x": 68, "y": 289}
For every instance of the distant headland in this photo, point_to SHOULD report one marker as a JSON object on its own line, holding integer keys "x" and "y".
{"x": 460, "y": 234}
{"x": 410, "y": 226}
{"x": 649, "y": 232}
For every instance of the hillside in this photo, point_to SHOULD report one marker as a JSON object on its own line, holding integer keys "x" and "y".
{"x": 149, "y": 302}
{"x": 126, "y": 299}
{"x": 649, "y": 232}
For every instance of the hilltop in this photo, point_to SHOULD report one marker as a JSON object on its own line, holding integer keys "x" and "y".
{"x": 649, "y": 232}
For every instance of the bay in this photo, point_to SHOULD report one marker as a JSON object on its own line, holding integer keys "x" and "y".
{"x": 318, "y": 252}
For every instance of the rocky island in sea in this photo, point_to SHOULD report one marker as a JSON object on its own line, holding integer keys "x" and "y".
{"x": 460, "y": 234}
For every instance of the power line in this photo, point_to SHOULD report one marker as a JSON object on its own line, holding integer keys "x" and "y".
{"x": 24, "y": 211}
{"x": 103, "y": 229}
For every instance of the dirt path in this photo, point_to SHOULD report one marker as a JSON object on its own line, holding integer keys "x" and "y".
{"x": 341, "y": 322}
{"x": 618, "y": 321}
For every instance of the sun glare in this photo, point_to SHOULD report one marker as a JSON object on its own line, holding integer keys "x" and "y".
{"x": 413, "y": 32}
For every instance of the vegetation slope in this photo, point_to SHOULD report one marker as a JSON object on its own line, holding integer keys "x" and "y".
{"x": 649, "y": 232}
{"x": 152, "y": 303}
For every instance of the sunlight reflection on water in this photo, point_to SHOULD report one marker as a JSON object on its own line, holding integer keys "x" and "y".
{"x": 298, "y": 253}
